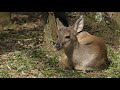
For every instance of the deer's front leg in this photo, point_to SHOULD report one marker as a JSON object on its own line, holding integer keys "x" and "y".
{"x": 64, "y": 63}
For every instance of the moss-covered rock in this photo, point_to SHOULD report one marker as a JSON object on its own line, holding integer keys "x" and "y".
{"x": 100, "y": 24}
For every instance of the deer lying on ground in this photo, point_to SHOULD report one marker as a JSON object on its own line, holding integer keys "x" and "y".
{"x": 83, "y": 51}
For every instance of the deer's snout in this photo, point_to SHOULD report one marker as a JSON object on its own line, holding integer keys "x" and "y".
{"x": 58, "y": 46}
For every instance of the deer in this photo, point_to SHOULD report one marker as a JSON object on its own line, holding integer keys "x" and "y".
{"x": 83, "y": 51}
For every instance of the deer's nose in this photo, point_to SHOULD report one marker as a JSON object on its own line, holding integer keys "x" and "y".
{"x": 57, "y": 45}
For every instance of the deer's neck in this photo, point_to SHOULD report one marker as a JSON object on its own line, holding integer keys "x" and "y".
{"x": 70, "y": 49}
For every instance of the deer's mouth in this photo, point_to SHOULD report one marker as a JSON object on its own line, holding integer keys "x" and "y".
{"x": 58, "y": 49}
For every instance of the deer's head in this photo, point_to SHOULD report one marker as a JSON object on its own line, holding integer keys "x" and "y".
{"x": 67, "y": 35}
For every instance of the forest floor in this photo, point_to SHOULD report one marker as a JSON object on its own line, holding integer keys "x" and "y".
{"x": 22, "y": 56}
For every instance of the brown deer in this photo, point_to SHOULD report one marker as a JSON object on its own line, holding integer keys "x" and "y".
{"x": 83, "y": 51}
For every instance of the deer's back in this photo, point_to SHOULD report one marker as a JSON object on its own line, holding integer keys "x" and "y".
{"x": 89, "y": 49}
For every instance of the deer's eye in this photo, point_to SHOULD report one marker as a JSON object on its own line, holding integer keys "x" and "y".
{"x": 67, "y": 37}
{"x": 57, "y": 36}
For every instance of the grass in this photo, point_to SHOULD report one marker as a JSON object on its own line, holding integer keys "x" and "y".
{"x": 22, "y": 56}
{"x": 34, "y": 64}
{"x": 37, "y": 64}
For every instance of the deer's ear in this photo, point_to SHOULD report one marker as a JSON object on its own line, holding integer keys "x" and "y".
{"x": 79, "y": 24}
{"x": 59, "y": 24}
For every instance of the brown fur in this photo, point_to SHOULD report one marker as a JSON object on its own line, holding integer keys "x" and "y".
{"x": 83, "y": 51}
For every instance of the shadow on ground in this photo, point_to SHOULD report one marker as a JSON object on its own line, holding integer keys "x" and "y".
{"x": 20, "y": 40}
